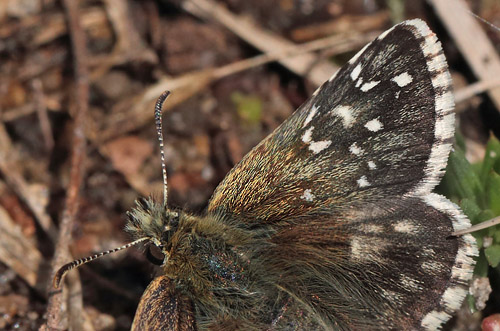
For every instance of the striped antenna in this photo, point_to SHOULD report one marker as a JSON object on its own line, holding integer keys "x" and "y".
{"x": 159, "y": 104}
{"x": 75, "y": 264}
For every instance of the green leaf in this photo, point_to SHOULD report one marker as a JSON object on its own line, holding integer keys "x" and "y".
{"x": 478, "y": 168}
{"x": 482, "y": 266}
{"x": 459, "y": 141}
{"x": 491, "y": 159}
{"x": 493, "y": 192}
{"x": 471, "y": 209}
{"x": 460, "y": 181}
{"x": 249, "y": 108}
{"x": 471, "y": 302}
{"x": 493, "y": 255}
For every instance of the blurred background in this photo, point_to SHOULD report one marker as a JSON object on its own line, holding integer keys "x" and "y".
{"x": 236, "y": 69}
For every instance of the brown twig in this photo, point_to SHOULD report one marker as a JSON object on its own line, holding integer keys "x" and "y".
{"x": 476, "y": 88}
{"x": 20, "y": 253}
{"x": 18, "y": 184}
{"x": 129, "y": 45}
{"x": 54, "y": 318}
{"x": 306, "y": 64}
{"x": 154, "y": 22}
{"x": 43, "y": 117}
{"x": 342, "y": 24}
{"x": 52, "y": 103}
{"x": 472, "y": 42}
{"x": 189, "y": 84}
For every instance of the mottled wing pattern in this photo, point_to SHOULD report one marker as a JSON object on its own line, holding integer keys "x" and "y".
{"x": 391, "y": 267}
{"x": 381, "y": 127}
{"x": 360, "y": 242}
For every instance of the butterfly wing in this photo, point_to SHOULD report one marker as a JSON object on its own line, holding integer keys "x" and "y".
{"x": 345, "y": 182}
{"x": 392, "y": 268}
{"x": 381, "y": 127}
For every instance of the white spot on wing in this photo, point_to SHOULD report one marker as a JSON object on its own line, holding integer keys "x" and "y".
{"x": 359, "y": 82}
{"x": 432, "y": 267}
{"x": 318, "y": 146}
{"x": 410, "y": 283}
{"x": 345, "y": 113}
{"x": 428, "y": 252}
{"x": 356, "y": 71}
{"x": 368, "y": 86}
{"x": 405, "y": 226}
{"x": 374, "y": 125}
{"x": 363, "y": 182}
{"x": 354, "y": 149}
{"x": 310, "y": 116}
{"x": 306, "y": 138}
{"x": 372, "y": 228}
{"x": 368, "y": 248}
{"x": 307, "y": 195}
{"x": 403, "y": 79}
{"x": 372, "y": 165}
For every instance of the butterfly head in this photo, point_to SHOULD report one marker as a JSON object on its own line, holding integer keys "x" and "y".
{"x": 152, "y": 220}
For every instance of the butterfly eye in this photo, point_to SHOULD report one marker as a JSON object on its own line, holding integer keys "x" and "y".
{"x": 155, "y": 255}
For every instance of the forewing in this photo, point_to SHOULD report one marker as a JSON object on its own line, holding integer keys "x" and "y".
{"x": 379, "y": 128}
{"x": 162, "y": 307}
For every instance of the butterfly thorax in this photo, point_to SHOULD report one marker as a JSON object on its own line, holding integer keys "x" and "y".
{"x": 204, "y": 255}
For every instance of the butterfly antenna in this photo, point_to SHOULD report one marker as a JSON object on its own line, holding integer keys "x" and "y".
{"x": 159, "y": 132}
{"x": 75, "y": 264}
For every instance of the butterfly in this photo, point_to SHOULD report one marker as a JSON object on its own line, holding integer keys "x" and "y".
{"x": 330, "y": 222}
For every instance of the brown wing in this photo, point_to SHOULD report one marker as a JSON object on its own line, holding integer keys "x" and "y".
{"x": 162, "y": 307}
{"x": 359, "y": 241}
{"x": 380, "y": 128}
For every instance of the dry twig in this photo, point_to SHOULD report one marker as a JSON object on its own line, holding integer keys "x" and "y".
{"x": 189, "y": 84}
{"x": 17, "y": 183}
{"x": 307, "y": 65}
{"x": 43, "y": 117}
{"x": 54, "y": 318}
{"x": 476, "y": 88}
{"x": 19, "y": 253}
{"x": 472, "y": 42}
